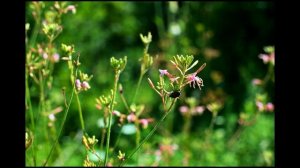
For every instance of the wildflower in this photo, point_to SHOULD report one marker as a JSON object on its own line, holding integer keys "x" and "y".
{"x": 260, "y": 106}
{"x": 256, "y": 81}
{"x": 116, "y": 113}
{"x": 55, "y": 57}
{"x": 45, "y": 56}
{"x": 40, "y": 49}
{"x": 145, "y": 122}
{"x": 78, "y": 84}
{"x": 71, "y": 8}
{"x": 131, "y": 117}
{"x": 163, "y": 72}
{"x": 85, "y": 85}
{"x": 269, "y": 107}
{"x": 264, "y": 57}
{"x": 199, "y": 110}
{"x": 183, "y": 109}
{"x": 192, "y": 78}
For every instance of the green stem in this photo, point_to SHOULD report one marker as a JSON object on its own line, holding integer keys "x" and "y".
{"x": 137, "y": 139}
{"x": 42, "y": 104}
{"x": 110, "y": 116}
{"x": 31, "y": 116}
{"x": 138, "y": 86}
{"x": 61, "y": 128}
{"x": 151, "y": 132}
{"x": 36, "y": 29}
{"x": 211, "y": 126}
{"x": 80, "y": 111}
{"x": 235, "y": 135}
{"x": 102, "y": 138}
{"x": 268, "y": 75}
{"x": 125, "y": 102}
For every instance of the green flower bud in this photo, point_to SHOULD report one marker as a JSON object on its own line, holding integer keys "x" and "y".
{"x": 118, "y": 64}
{"x": 146, "y": 39}
{"x": 121, "y": 156}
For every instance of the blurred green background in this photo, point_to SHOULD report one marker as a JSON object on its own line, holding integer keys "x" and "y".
{"x": 228, "y": 36}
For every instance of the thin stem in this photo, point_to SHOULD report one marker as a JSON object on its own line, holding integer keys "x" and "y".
{"x": 211, "y": 126}
{"x": 236, "y": 135}
{"x": 268, "y": 75}
{"x": 31, "y": 117}
{"x": 61, "y": 128}
{"x": 151, "y": 132}
{"x": 42, "y": 104}
{"x": 125, "y": 102}
{"x": 36, "y": 28}
{"x": 138, "y": 86}
{"x": 137, "y": 139}
{"x": 110, "y": 116}
{"x": 102, "y": 139}
{"x": 80, "y": 111}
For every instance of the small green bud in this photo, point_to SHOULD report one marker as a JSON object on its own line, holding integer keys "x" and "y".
{"x": 88, "y": 163}
{"x": 214, "y": 107}
{"x": 105, "y": 100}
{"x": 121, "y": 156}
{"x": 84, "y": 76}
{"x": 269, "y": 49}
{"x": 67, "y": 48}
{"x": 89, "y": 142}
{"x": 146, "y": 39}
{"x": 147, "y": 61}
{"x": 118, "y": 64}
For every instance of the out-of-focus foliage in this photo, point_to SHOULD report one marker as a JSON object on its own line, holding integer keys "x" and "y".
{"x": 228, "y": 36}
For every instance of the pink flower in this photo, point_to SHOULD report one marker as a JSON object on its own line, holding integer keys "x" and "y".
{"x": 163, "y": 72}
{"x": 183, "y": 109}
{"x": 264, "y": 57}
{"x": 71, "y": 8}
{"x": 40, "y": 50}
{"x": 85, "y": 85}
{"x": 116, "y": 113}
{"x": 78, "y": 84}
{"x": 144, "y": 123}
{"x": 269, "y": 107}
{"x": 260, "y": 106}
{"x": 199, "y": 109}
{"x": 55, "y": 57}
{"x": 192, "y": 78}
{"x": 45, "y": 56}
{"x": 256, "y": 81}
{"x": 131, "y": 117}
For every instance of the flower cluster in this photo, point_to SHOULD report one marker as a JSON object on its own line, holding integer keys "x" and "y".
{"x": 268, "y": 107}
{"x": 269, "y": 57}
{"x": 176, "y": 82}
{"x": 192, "y": 108}
{"x": 132, "y": 118}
